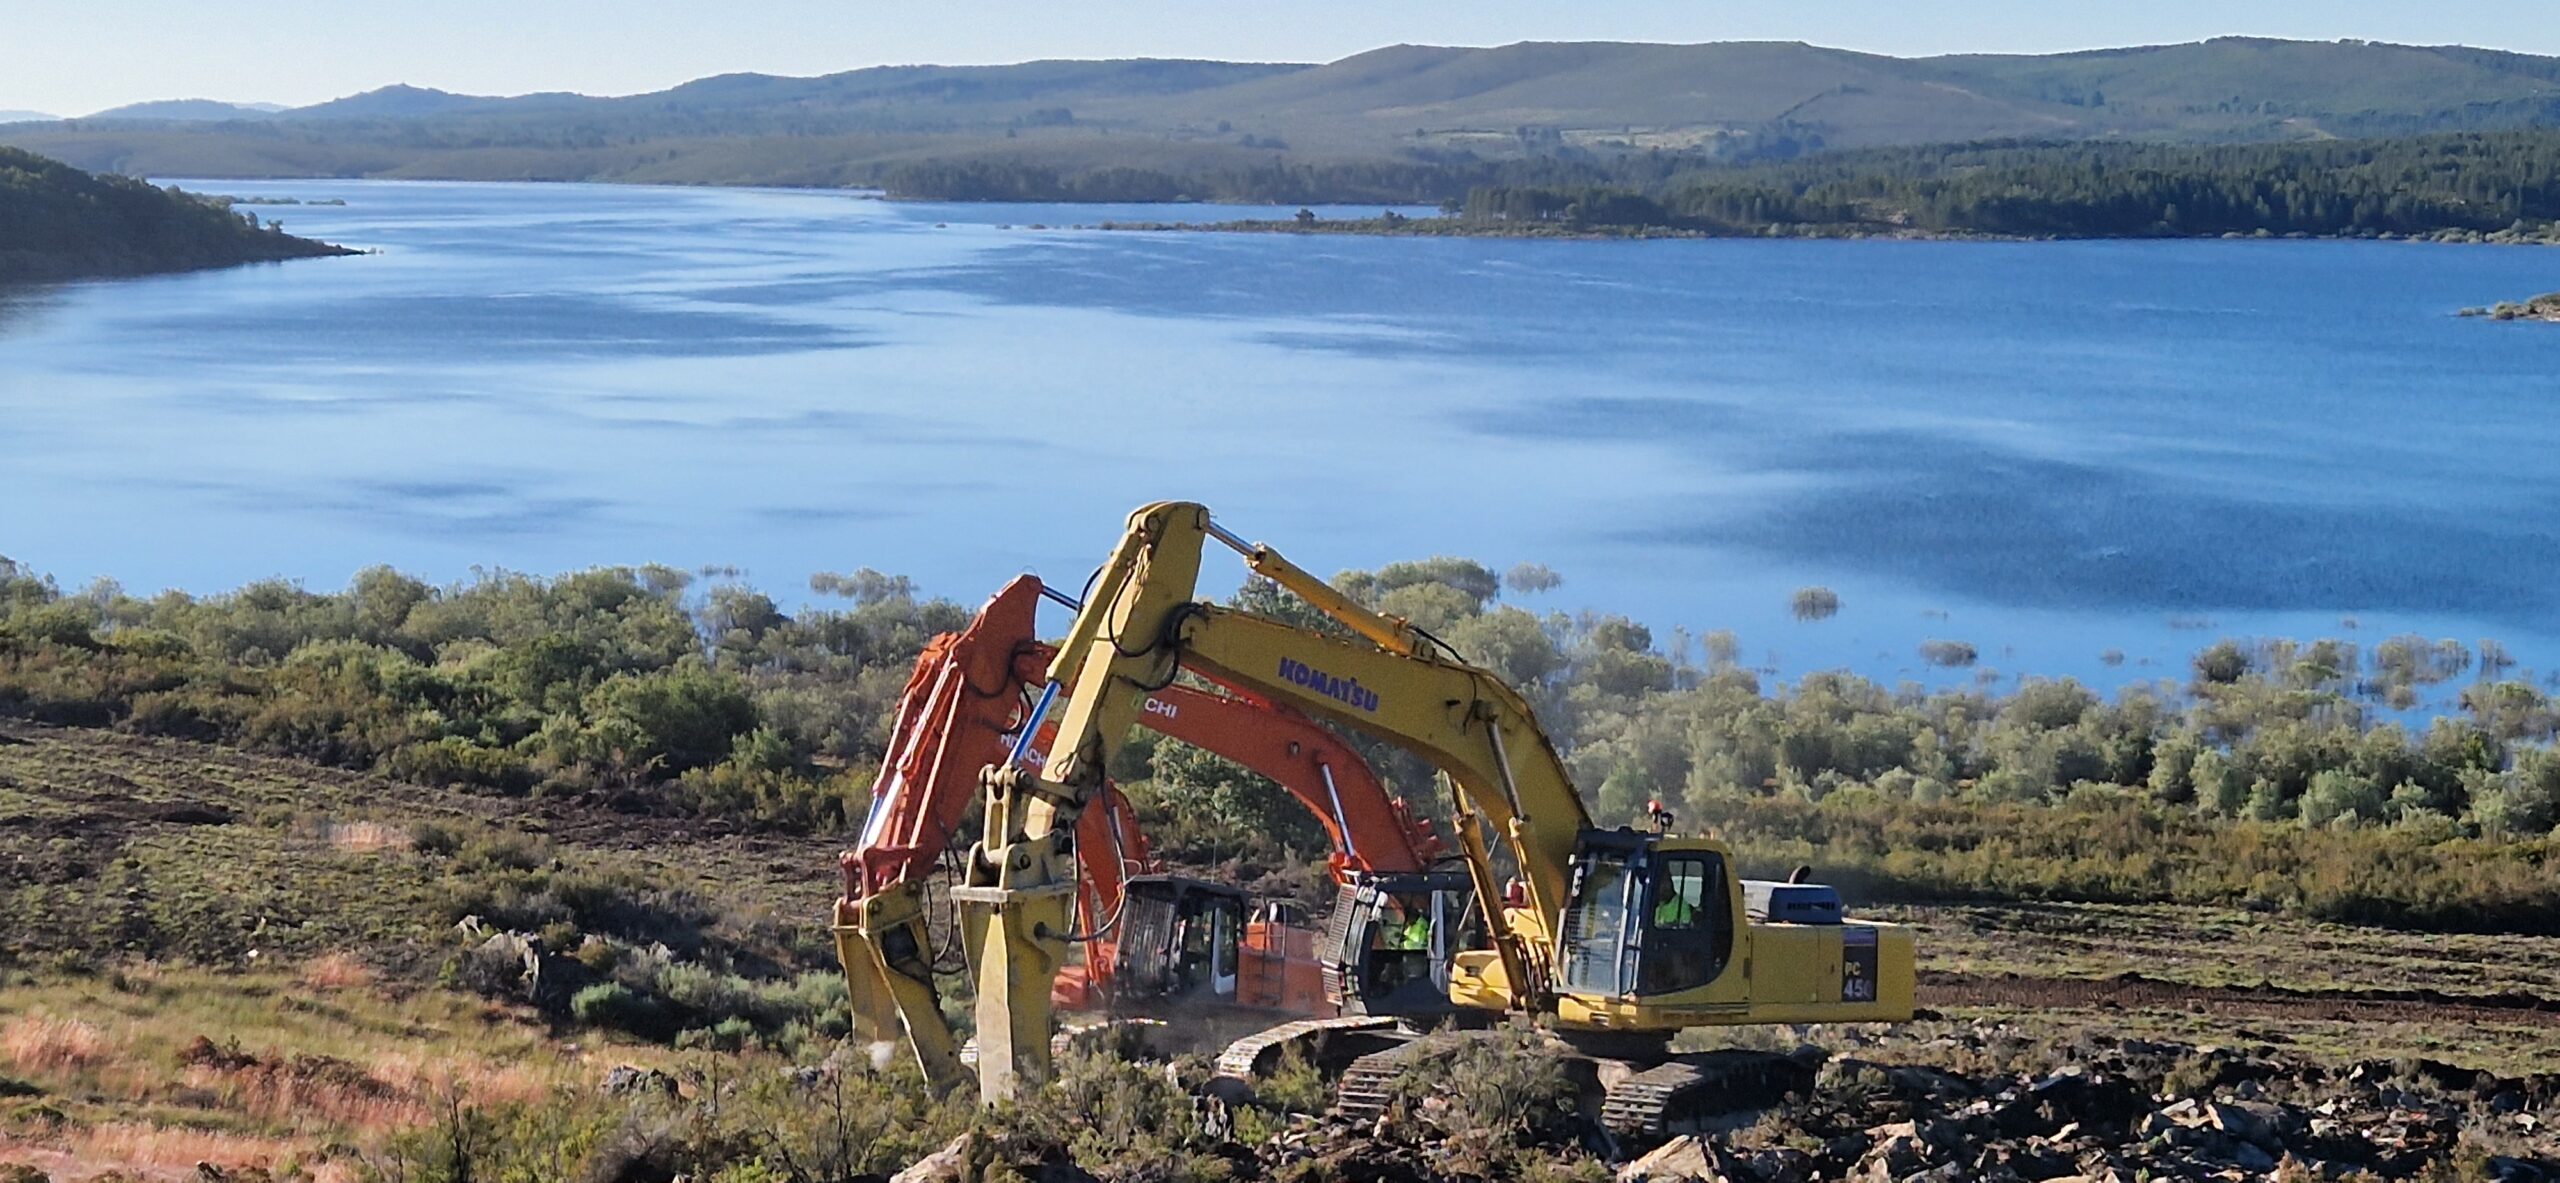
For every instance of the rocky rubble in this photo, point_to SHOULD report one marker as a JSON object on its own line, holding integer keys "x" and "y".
{"x": 1961, "y": 1108}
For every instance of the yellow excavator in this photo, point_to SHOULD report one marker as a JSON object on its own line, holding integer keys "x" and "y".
{"x": 1617, "y": 939}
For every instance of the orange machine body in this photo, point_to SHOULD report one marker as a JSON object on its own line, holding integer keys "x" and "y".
{"x": 965, "y": 705}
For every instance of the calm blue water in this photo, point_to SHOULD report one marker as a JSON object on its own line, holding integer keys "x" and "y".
{"x": 2048, "y": 450}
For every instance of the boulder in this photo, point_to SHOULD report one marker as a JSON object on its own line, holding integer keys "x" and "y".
{"x": 1685, "y": 1159}
{"x": 947, "y": 1165}
{"x": 1896, "y": 1150}
{"x": 2249, "y": 1157}
{"x": 2263, "y": 1124}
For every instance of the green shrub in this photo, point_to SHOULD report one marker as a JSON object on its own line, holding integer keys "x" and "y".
{"x": 434, "y": 840}
{"x": 613, "y": 1006}
{"x": 1113, "y": 1118}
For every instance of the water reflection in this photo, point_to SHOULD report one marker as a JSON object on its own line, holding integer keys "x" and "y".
{"x": 23, "y": 307}
{"x": 2063, "y": 445}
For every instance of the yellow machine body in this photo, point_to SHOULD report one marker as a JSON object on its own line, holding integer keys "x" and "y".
{"x": 1614, "y": 931}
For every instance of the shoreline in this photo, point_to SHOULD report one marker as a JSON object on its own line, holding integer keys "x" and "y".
{"x": 1444, "y": 226}
{"x": 2543, "y": 308}
{"x": 1450, "y": 227}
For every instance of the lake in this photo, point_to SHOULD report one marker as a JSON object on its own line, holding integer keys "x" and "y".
{"x": 2048, "y": 450}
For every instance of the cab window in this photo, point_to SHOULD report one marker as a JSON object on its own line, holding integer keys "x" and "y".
{"x": 1681, "y": 900}
{"x": 1596, "y": 935}
{"x": 1688, "y": 924}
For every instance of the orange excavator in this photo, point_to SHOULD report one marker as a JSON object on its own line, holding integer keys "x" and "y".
{"x": 1148, "y": 937}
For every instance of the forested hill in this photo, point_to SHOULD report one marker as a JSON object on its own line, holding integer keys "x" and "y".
{"x": 57, "y": 222}
{"x": 1402, "y": 106}
{"x": 2469, "y": 186}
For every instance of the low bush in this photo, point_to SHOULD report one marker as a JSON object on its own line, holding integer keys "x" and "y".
{"x": 618, "y": 679}
{"x": 1118, "y": 1119}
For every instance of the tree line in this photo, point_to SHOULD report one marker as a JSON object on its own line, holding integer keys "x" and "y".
{"x": 2504, "y": 184}
{"x": 2472, "y": 183}
{"x": 670, "y": 692}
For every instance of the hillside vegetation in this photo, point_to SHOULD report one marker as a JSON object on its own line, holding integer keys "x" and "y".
{"x": 1411, "y": 105}
{"x": 2275, "y": 776}
{"x": 524, "y": 878}
{"x": 2469, "y": 185}
{"x": 57, "y": 222}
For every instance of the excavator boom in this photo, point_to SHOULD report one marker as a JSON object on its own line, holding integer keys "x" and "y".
{"x": 962, "y": 706}
{"x": 1618, "y": 934}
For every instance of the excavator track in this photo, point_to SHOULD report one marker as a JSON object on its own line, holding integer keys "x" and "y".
{"x": 1679, "y": 1096}
{"x": 1369, "y": 1085}
{"x": 1257, "y": 1054}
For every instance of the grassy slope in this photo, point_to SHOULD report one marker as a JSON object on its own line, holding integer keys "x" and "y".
{"x": 2172, "y": 84}
{"x": 325, "y": 1064}
{"x": 823, "y": 130}
{"x": 2224, "y": 947}
{"x": 298, "y": 931}
{"x": 173, "y": 849}
{"x": 278, "y": 909}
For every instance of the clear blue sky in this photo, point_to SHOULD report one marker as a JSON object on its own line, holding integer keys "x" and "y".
{"x": 77, "y": 57}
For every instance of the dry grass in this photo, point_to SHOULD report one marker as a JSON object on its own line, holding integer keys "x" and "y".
{"x": 484, "y": 1081}
{"x": 367, "y": 837}
{"x": 127, "y": 1151}
{"x": 174, "y": 1152}
{"x": 39, "y": 1043}
{"x": 330, "y": 973}
{"x": 157, "y": 1068}
{"x": 278, "y": 1095}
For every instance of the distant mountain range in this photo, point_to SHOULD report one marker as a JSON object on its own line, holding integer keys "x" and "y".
{"x": 26, "y": 117}
{"x": 1733, "y": 100}
{"x": 192, "y": 111}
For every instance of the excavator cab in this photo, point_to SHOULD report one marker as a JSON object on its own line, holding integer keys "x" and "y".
{"x": 1388, "y": 942}
{"x": 1648, "y": 915}
{"x": 1179, "y": 938}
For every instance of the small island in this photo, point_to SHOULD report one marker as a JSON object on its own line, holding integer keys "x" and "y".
{"x": 2544, "y": 307}
{"x": 58, "y": 222}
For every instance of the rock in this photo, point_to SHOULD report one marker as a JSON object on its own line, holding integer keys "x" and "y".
{"x": 625, "y": 1080}
{"x": 1923, "y": 1083}
{"x": 947, "y": 1165}
{"x": 1896, "y": 1151}
{"x": 2245, "y": 1122}
{"x": 1685, "y": 1159}
{"x": 1782, "y": 1162}
{"x": 2073, "y": 1096}
{"x": 2514, "y": 1170}
{"x": 1904, "y": 1147}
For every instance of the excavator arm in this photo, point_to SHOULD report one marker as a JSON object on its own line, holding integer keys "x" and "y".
{"x": 966, "y": 696}
{"x": 952, "y": 717}
{"x": 1619, "y": 934}
{"x": 1139, "y": 628}
{"x": 1369, "y": 828}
